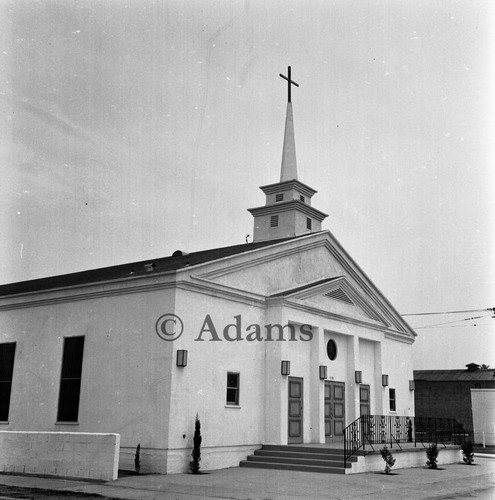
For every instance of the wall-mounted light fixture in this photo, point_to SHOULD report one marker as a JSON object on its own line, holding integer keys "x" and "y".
{"x": 285, "y": 368}
{"x": 384, "y": 380}
{"x": 181, "y": 357}
{"x": 323, "y": 372}
{"x": 358, "y": 376}
{"x": 411, "y": 385}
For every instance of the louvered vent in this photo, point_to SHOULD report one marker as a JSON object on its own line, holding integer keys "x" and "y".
{"x": 339, "y": 294}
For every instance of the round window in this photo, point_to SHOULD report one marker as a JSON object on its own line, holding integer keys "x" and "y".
{"x": 331, "y": 349}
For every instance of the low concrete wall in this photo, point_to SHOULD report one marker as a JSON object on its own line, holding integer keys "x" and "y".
{"x": 405, "y": 459}
{"x": 64, "y": 454}
{"x": 483, "y": 407}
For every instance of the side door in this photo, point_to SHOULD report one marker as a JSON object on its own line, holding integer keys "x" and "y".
{"x": 295, "y": 413}
{"x": 365, "y": 410}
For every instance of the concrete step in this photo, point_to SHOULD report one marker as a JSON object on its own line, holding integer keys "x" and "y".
{"x": 302, "y": 455}
{"x": 301, "y": 458}
{"x": 303, "y": 449}
{"x": 309, "y": 449}
{"x": 295, "y": 467}
{"x": 290, "y": 460}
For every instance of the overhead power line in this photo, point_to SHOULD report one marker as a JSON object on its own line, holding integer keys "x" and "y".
{"x": 492, "y": 309}
{"x": 450, "y": 322}
{"x": 455, "y": 326}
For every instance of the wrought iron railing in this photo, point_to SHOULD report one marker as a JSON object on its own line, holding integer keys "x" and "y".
{"x": 439, "y": 430}
{"x": 369, "y": 430}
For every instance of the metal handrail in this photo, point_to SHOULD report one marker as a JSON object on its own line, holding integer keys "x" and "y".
{"x": 384, "y": 429}
{"x": 352, "y": 441}
{"x": 398, "y": 444}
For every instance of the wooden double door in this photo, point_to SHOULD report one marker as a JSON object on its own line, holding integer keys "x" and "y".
{"x": 334, "y": 411}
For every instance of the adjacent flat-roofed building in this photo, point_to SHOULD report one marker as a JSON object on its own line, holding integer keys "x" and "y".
{"x": 447, "y": 393}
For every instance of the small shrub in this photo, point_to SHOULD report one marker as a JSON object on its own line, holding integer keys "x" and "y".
{"x": 432, "y": 456}
{"x": 389, "y": 459}
{"x": 196, "y": 453}
{"x": 137, "y": 459}
{"x": 468, "y": 452}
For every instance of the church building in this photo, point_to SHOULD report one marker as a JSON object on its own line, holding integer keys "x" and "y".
{"x": 282, "y": 340}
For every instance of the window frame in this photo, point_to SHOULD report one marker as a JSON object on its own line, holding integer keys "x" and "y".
{"x": 235, "y": 388}
{"x": 273, "y": 220}
{"x": 6, "y": 378}
{"x": 331, "y": 342}
{"x": 64, "y": 414}
{"x": 392, "y": 399}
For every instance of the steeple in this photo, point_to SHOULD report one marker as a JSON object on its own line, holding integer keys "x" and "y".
{"x": 289, "y": 163}
{"x": 288, "y": 211}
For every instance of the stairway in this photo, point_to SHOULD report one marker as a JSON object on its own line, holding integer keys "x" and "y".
{"x": 300, "y": 458}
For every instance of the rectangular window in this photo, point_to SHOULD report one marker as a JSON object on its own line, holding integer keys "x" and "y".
{"x": 70, "y": 382}
{"x": 274, "y": 221}
{"x": 7, "y": 353}
{"x": 302, "y": 198}
{"x": 391, "y": 393}
{"x": 279, "y": 197}
{"x": 308, "y": 223}
{"x": 233, "y": 388}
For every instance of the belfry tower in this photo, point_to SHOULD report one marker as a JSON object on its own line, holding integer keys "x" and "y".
{"x": 287, "y": 211}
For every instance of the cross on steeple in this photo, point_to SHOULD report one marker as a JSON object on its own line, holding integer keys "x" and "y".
{"x": 294, "y": 216}
{"x": 289, "y": 82}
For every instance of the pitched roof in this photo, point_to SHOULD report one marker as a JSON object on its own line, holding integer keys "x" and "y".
{"x": 454, "y": 375}
{"x": 141, "y": 268}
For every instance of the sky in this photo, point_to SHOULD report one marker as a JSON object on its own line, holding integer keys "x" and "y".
{"x": 131, "y": 129}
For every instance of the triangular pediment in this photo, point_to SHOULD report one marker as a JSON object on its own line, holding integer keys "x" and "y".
{"x": 313, "y": 268}
{"x": 338, "y": 296}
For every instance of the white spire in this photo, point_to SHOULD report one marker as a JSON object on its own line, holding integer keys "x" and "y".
{"x": 289, "y": 165}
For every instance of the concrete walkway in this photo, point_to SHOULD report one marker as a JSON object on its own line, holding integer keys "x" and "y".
{"x": 457, "y": 481}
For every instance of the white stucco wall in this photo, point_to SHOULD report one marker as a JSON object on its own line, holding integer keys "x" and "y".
{"x": 483, "y": 408}
{"x": 200, "y": 387}
{"x": 338, "y": 368}
{"x": 125, "y": 381}
{"x": 397, "y": 364}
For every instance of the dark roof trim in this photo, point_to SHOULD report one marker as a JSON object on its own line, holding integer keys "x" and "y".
{"x": 454, "y": 375}
{"x": 135, "y": 269}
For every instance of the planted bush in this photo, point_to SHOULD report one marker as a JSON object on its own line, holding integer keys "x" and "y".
{"x": 389, "y": 459}
{"x": 196, "y": 453}
{"x": 432, "y": 456}
{"x": 468, "y": 452}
